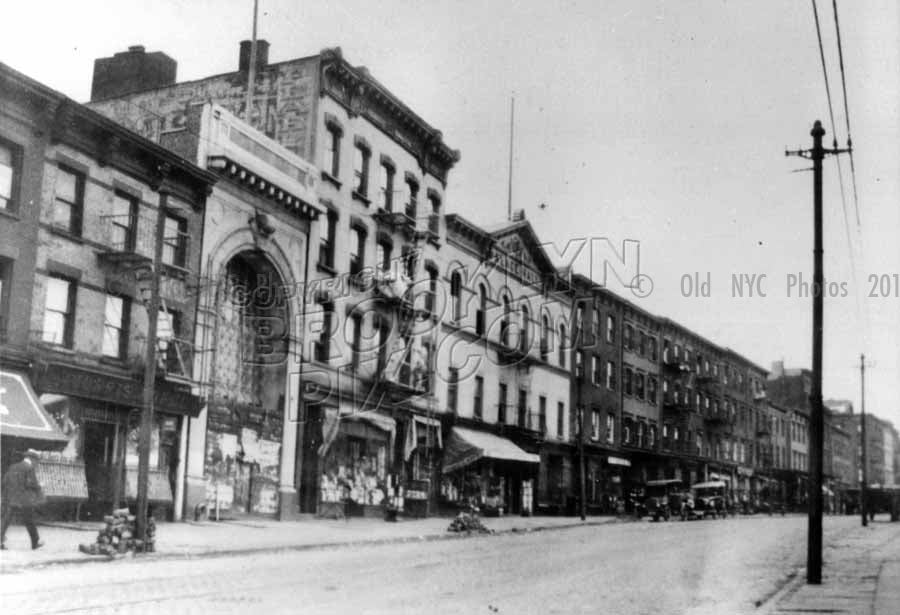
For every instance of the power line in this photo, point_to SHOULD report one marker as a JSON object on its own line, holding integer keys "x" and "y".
{"x": 834, "y": 135}
{"x": 837, "y": 28}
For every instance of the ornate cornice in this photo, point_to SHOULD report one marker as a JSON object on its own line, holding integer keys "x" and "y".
{"x": 355, "y": 89}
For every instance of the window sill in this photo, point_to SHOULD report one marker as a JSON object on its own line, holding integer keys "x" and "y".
{"x": 55, "y": 347}
{"x": 114, "y": 361}
{"x": 9, "y": 213}
{"x": 326, "y": 269}
{"x": 328, "y": 177}
{"x": 56, "y": 230}
{"x": 362, "y": 198}
{"x": 175, "y": 271}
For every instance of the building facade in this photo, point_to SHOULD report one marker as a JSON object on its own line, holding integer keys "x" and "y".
{"x": 96, "y": 204}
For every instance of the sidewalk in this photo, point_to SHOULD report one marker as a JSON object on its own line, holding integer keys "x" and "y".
{"x": 210, "y": 538}
{"x": 860, "y": 576}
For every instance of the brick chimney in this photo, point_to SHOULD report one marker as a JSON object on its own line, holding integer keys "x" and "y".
{"x": 130, "y": 71}
{"x": 262, "y": 55}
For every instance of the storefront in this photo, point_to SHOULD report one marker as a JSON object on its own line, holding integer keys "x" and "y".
{"x": 355, "y": 464}
{"x": 99, "y": 413}
{"x": 487, "y": 471}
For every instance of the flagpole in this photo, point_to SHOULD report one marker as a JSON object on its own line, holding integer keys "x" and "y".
{"x": 251, "y": 70}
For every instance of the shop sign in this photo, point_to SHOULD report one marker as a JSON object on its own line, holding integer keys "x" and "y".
{"x": 98, "y": 386}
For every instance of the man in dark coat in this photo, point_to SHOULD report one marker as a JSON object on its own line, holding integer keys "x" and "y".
{"x": 21, "y": 494}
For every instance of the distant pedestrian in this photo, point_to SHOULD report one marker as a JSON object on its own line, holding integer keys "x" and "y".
{"x": 21, "y": 495}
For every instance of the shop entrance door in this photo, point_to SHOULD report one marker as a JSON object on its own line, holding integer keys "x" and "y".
{"x": 101, "y": 443}
{"x": 309, "y": 467}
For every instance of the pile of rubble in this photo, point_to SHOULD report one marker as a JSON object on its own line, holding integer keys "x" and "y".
{"x": 467, "y": 522}
{"x": 118, "y": 536}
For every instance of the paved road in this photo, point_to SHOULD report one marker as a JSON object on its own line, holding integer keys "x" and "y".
{"x": 719, "y": 567}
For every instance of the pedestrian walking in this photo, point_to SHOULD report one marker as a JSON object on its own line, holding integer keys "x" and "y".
{"x": 22, "y": 493}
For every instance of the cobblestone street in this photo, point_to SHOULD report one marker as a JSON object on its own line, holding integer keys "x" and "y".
{"x": 697, "y": 567}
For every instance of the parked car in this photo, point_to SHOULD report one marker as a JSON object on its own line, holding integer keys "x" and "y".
{"x": 710, "y": 498}
{"x": 662, "y": 500}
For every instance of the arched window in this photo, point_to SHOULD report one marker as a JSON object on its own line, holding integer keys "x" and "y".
{"x": 524, "y": 341}
{"x": 504, "y": 324}
{"x": 480, "y": 314}
{"x": 562, "y": 345}
{"x": 545, "y": 337}
{"x": 456, "y": 295}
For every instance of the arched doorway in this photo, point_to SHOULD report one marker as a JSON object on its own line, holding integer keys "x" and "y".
{"x": 247, "y": 390}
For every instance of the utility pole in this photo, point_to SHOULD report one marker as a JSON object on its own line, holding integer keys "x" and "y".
{"x": 144, "y": 437}
{"x": 817, "y": 420}
{"x": 863, "y": 477}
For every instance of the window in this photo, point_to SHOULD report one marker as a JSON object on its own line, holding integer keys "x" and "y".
{"x": 115, "y": 327}
{"x": 595, "y": 325}
{"x": 326, "y": 240}
{"x": 542, "y": 415}
{"x": 524, "y": 337}
{"x": 122, "y": 222}
{"x": 10, "y": 164}
{"x": 69, "y": 200}
{"x": 59, "y": 311}
{"x": 481, "y": 313}
{"x": 501, "y": 404}
{"x": 456, "y": 295}
{"x": 452, "y": 389}
{"x": 610, "y": 375}
{"x": 654, "y": 349}
{"x": 522, "y": 418}
{"x": 595, "y": 424}
{"x": 383, "y": 254}
{"x": 639, "y": 385}
{"x": 651, "y": 437}
{"x": 596, "y": 371}
{"x": 579, "y": 364}
{"x": 323, "y": 345}
{"x": 174, "y": 241}
{"x": 610, "y": 328}
{"x": 652, "y": 388}
{"x": 424, "y": 377}
{"x": 386, "y": 186}
{"x": 642, "y": 345}
{"x": 431, "y": 296}
{"x": 357, "y": 249}
{"x": 355, "y": 338}
{"x": 665, "y": 434}
{"x": 545, "y": 337}
{"x": 332, "y": 163}
{"x": 627, "y": 381}
{"x": 434, "y": 220}
{"x": 361, "y": 155}
{"x": 579, "y": 321}
{"x": 676, "y": 352}
{"x": 560, "y": 419}
{"x": 562, "y": 346}
{"x": 412, "y": 196}
{"x": 610, "y": 427}
{"x": 699, "y": 443}
{"x": 640, "y": 434}
{"x": 504, "y": 323}
{"x": 629, "y": 337}
{"x": 676, "y": 434}
{"x": 626, "y": 431}
{"x": 384, "y": 336}
{"x": 478, "y": 399}
{"x": 408, "y": 258}
{"x": 666, "y": 351}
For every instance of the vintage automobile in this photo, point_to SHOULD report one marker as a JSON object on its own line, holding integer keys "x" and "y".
{"x": 662, "y": 498}
{"x": 710, "y": 499}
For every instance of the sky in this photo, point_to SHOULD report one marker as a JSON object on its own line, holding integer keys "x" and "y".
{"x": 663, "y": 123}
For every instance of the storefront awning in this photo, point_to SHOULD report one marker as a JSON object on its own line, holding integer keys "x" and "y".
{"x": 618, "y": 461}
{"x": 466, "y": 446}
{"x": 23, "y": 417}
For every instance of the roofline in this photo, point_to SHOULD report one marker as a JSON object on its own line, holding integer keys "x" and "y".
{"x": 94, "y": 118}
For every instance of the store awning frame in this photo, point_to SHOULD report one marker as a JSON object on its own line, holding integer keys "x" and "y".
{"x": 23, "y": 417}
{"x": 467, "y": 446}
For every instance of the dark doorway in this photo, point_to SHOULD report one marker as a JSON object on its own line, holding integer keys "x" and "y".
{"x": 100, "y": 444}
{"x": 309, "y": 468}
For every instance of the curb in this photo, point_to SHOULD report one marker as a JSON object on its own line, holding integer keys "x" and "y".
{"x": 213, "y": 553}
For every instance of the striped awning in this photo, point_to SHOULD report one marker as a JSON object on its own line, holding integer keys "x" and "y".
{"x": 22, "y": 416}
